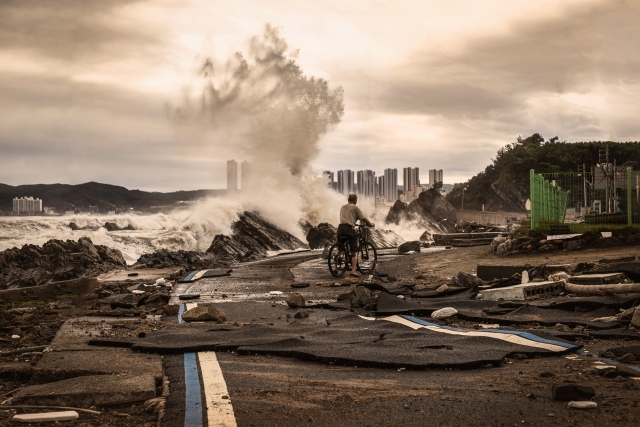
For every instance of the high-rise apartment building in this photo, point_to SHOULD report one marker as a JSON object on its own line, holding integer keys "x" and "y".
{"x": 391, "y": 184}
{"x": 366, "y": 183}
{"x": 435, "y": 176}
{"x": 345, "y": 181}
{"x": 232, "y": 177}
{"x": 26, "y": 205}
{"x": 410, "y": 179}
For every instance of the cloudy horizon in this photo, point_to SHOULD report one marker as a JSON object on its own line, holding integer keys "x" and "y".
{"x": 87, "y": 87}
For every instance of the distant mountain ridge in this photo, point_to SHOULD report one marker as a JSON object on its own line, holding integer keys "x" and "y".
{"x": 106, "y": 197}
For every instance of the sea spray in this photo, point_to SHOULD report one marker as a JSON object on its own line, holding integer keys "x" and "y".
{"x": 259, "y": 106}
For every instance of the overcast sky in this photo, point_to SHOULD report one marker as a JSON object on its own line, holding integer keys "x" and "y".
{"x": 85, "y": 85}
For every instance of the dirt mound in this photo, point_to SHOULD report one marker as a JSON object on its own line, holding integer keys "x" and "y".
{"x": 252, "y": 237}
{"x": 33, "y": 265}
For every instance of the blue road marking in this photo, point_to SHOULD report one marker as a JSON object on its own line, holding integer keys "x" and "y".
{"x": 193, "y": 400}
{"x": 190, "y": 276}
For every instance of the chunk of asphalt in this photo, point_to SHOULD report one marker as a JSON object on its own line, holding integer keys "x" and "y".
{"x": 90, "y": 390}
{"x": 61, "y": 365}
{"x": 300, "y": 285}
{"x": 616, "y": 333}
{"x": 188, "y": 296}
{"x": 350, "y": 340}
{"x": 569, "y": 392}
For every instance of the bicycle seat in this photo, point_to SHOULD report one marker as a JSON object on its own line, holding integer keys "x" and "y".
{"x": 343, "y": 238}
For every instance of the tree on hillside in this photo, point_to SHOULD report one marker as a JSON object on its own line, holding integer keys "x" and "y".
{"x": 504, "y": 184}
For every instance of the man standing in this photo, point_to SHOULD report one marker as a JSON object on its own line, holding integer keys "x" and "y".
{"x": 349, "y": 214}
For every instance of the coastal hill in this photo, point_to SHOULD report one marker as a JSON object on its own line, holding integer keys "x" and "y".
{"x": 504, "y": 184}
{"x": 64, "y": 197}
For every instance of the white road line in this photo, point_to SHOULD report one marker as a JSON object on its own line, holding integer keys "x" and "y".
{"x": 198, "y": 275}
{"x": 514, "y": 339}
{"x": 218, "y": 401}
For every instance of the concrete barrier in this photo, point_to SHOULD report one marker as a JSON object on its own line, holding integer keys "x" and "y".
{"x": 496, "y": 218}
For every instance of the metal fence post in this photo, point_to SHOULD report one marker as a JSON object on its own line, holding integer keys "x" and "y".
{"x": 532, "y": 198}
{"x": 629, "y": 198}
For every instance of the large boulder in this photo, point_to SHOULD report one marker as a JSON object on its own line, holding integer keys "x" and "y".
{"x": 204, "y": 313}
{"x": 434, "y": 208}
{"x": 252, "y": 237}
{"x": 398, "y": 212}
{"x": 189, "y": 260}
{"x": 413, "y": 246}
{"x": 319, "y": 236}
{"x": 56, "y": 260}
{"x": 384, "y": 239}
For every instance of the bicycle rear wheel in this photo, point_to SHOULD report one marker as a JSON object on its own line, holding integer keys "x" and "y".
{"x": 337, "y": 260}
{"x": 367, "y": 258}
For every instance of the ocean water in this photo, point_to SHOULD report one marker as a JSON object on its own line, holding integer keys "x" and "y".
{"x": 180, "y": 229}
{"x": 192, "y": 229}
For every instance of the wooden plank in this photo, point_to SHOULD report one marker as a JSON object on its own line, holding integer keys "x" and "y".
{"x": 46, "y": 417}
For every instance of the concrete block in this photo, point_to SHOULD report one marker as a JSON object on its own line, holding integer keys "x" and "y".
{"x": 523, "y": 292}
{"x": 597, "y": 279}
{"x": 91, "y": 390}
{"x": 46, "y": 417}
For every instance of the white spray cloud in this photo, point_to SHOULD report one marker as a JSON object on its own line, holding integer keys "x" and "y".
{"x": 261, "y": 107}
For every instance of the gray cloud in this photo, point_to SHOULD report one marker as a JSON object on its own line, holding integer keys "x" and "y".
{"x": 71, "y": 29}
{"x": 583, "y": 48}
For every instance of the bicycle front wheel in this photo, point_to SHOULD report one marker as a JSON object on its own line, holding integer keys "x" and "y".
{"x": 337, "y": 260}
{"x": 367, "y": 258}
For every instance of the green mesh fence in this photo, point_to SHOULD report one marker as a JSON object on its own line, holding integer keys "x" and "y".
{"x": 548, "y": 201}
{"x": 605, "y": 196}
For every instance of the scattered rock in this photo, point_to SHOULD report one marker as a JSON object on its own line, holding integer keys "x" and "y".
{"x": 444, "y": 313}
{"x": 568, "y": 392}
{"x": 442, "y": 288}
{"x": 466, "y": 280}
{"x": 547, "y": 374}
{"x": 204, "y": 313}
{"x": 295, "y": 300}
{"x": 574, "y": 245}
{"x": 413, "y": 246}
{"x": 301, "y": 314}
{"x": 171, "y": 310}
{"x": 583, "y": 405}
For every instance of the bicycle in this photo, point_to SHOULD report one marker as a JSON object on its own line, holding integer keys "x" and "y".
{"x": 340, "y": 254}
